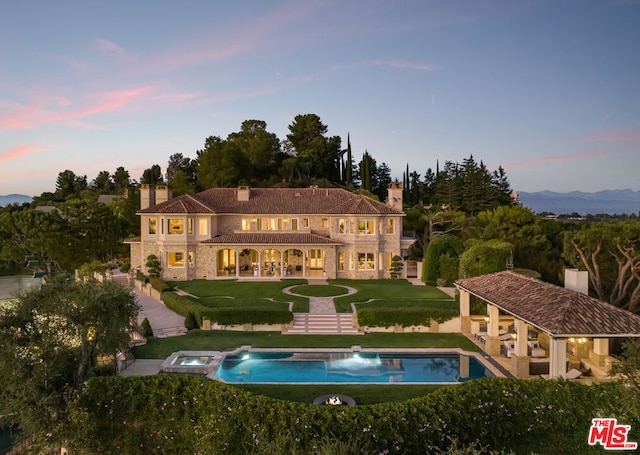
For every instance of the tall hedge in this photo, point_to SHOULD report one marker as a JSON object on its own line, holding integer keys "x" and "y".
{"x": 190, "y": 414}
{"x": 439, "y": 246}
{"x": 483, "y": 257}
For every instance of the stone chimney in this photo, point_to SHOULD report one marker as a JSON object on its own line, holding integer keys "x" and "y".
{"x": 394, "y": 195}
{"x": 576, "y": 280}
{"x": 243, "y": 193}
{"x": 147, "y": 196}
{"x": 163, "y": 193}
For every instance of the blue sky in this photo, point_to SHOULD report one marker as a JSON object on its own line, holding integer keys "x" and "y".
{"x": 550, "y": 90}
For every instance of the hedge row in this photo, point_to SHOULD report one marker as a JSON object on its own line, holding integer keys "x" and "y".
{"x": 188, "y": 414}
{"x": 386, "y": 317}
{"x": 183, "y": 304}
{"x": 256, "y": 315}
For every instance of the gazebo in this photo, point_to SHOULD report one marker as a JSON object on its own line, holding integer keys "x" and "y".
{"x": 577, "y": 326}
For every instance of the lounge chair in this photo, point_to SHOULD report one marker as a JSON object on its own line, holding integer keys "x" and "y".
{"x": 573, "y": 374}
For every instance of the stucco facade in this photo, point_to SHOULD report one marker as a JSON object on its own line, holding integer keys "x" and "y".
{"x": 269, "y": 232}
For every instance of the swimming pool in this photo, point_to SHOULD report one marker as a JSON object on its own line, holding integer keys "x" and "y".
{"x": 362, "y": 367}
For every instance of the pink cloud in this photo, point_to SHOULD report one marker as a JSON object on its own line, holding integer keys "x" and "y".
{"x": 107, "y": 47}
{"x": 32, "y": 114}
{"x": 23, "y": 150}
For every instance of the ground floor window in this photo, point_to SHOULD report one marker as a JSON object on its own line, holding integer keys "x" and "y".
{"x": 341, "y": 261}
{"x": 175, "y": 259}
{"x": 366, "y": 261}
{"x": 315, "y": 258}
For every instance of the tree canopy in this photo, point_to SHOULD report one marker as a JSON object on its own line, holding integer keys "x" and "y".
{"x": 50, "y": 339}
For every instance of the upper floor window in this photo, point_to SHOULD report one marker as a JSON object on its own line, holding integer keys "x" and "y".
{"x": 203, "y": 228}
{"x": 190, "y": 226}
{"x": 325, "y": 223}
{"x": 365, "y": 226}
{"x": 152, "y": 225}
{"x": 246, "y": 224}
{"x": 176, "y": 226}
{"x": 342, "y": 226}
{"x": 305, "y": 222}
{"x": 389, "y": 226}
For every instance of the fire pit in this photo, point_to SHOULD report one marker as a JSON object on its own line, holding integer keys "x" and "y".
{"x": 334, "y": 399}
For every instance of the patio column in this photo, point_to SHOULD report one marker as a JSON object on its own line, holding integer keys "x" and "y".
{"x": 557, "y": 357}
{"x": 519, "y": 357}
{"x": 492, "y": 346}
{"x": 465, "y": 312}
{"x": 600, "y": 351}
{"x": 304, "y": 263}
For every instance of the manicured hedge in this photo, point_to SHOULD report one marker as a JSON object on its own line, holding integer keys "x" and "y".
{"x": 182, "y": 304}
{"x": 169, "y": 414}
{"x": 386, "y": 317}
{"x": 158, "y": 284}
{"x": 243, "y": 315}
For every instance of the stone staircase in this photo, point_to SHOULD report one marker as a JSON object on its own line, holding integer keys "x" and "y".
{"x": 166, "y": 332}
{"x": 322, "y": 324}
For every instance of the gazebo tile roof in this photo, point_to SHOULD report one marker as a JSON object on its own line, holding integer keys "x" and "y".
{"x": 272, "y": 239}
{"x": 298, "y": 201}
{"x": 558, "y": 311}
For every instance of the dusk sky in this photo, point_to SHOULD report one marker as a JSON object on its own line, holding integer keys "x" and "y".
{"x": 550, "y": 90}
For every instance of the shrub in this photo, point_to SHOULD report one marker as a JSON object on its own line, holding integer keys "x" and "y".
{"x": 448, "y": 268}
{"x": 141, "y": 277}
{"x": 190, "y": 322}
{"x": 88, "y": 268}
{"x": 147, "y": 331}
{"x": 158, "y": 284}
{"x": 396, "y": 267}
{"x": 153, "y": 266}
{"x": 126, "y": 266}
{"x": 485, "y": 257}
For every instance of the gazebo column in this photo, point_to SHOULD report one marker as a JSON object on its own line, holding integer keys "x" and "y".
{"x": 600, "y": 351}
{"x": 492, "y": 346}
{"x": 519, "y": 357}
{"x": 557, "y": 357}
{"x": 465, "y": 312}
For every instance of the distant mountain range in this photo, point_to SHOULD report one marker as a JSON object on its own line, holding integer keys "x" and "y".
{"x": 14, "y": 199}
{"x": 612, "y": 202}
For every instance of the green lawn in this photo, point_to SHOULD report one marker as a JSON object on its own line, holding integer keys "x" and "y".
{"x": 319, "y": 290}
{"x": 392, "y": 292}
{"x": 410, "y": 303}
{"x": 225, "y": 293}
{"x": 215, "y": 340}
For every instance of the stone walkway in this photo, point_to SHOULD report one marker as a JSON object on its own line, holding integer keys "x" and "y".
{"x": 164, "y": 321}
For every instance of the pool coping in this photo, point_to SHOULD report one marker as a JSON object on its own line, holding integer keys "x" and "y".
{"x": 485, "y": 362}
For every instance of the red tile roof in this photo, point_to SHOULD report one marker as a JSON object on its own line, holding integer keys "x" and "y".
{"x": 263, "y": 201}
{"x": 272, "y": 239}
{"x": 558, "y": 311}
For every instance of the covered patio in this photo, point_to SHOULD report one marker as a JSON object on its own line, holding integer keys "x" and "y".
{"x": 531, "y": 319}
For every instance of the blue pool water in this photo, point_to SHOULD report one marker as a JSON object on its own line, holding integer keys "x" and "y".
{"x": 349, "y": 367}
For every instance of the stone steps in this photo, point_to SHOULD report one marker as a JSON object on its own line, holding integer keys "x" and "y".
{"x": 166, "y": 332}
{"x": 322, "y": 324}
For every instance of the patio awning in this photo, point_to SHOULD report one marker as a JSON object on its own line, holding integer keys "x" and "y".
{"x": 560, "y": 312}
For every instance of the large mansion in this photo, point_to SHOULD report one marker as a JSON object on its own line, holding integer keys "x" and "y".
{"x": 269, "y": 232}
